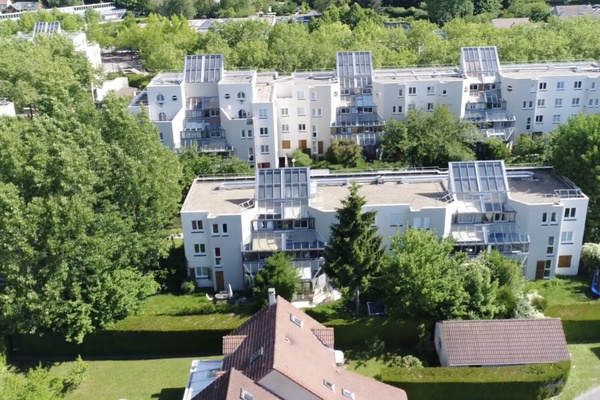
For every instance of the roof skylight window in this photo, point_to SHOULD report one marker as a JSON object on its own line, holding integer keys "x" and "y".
{"x": 296, "y": 320}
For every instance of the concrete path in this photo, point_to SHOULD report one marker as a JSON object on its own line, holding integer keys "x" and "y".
{"x": 592, "y": 394}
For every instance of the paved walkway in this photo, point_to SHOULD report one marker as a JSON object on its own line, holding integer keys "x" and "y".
{"x": 592, "y": 394}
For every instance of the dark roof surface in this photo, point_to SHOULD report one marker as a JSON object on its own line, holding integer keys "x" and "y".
{"x": 504, "y": 342}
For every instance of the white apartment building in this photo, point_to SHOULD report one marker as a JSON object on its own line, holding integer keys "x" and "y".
{"x": 230, "y": 226}
{"x": 264, "y": 117}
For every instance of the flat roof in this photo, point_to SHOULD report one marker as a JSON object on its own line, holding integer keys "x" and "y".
{"x": 418, "y": 74}
{"x": 541, "y": 188}
{"x": 556, "y": 69}
{"x": 209, "y": 197}
{"x": 264, "y": 88}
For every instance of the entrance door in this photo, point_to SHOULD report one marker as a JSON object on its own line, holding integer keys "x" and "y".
{"x": 539, "y": 269}
{"x": 219, "y": 278}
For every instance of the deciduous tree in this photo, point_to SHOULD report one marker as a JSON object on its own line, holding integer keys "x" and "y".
{"x": 278, "y": 273}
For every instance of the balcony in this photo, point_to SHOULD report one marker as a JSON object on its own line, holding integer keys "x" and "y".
{"x": 350, "y": 120}
{"x": 493, "y": 115}
{"x": 284, "y": 241}
{"x": 500, "y": 133}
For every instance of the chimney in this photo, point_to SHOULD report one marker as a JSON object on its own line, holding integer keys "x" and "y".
{"x": 272, "y": 297}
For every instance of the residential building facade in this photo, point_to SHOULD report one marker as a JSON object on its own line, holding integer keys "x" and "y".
{"x": 231, "y": 226}
{"x": 263, "y": 117}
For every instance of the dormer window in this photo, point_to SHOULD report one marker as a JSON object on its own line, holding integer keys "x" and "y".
{"x": 347, "y": 393}
{"x": 244, "y": 395}
{"x": 296, "y": 320}
{"x": 329, "y": 385}
{"x": 256, "y": 354}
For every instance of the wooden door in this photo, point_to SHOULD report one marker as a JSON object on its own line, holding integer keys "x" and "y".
{"x": 302, "y": 144}
{"x": 220, "y": 280}
{"x": 320, "y": 147}
{"x": 539, "y": 269}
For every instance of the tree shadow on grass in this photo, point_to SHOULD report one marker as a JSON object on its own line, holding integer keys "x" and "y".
{"x": 169, "y": 394}
{"x": 23, "y": 366}
{"x": 596, "y": 351}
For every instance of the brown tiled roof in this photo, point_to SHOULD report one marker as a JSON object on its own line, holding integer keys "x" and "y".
{"x": 504, "y": 342}
{"x": 229, "y": 386}
{"x": 279, "y": 348}
{"x": 231, "y": 343}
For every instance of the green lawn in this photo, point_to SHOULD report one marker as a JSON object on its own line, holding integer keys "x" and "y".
{"x": 585, "y": 370}
{"x": 563, "y": 291}
{"x": 163, "y": 379}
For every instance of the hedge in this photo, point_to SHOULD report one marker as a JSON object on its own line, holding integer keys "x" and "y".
{"x": 395, "y": 333}
{"x": 534, "y": 381}
{"x": 3, "y": 352}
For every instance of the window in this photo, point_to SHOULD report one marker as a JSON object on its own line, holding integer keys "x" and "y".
{"x": 242, "y": 114}
{"x": 302, "y": 127}
{"x": 285, "y": 128}
{"x": 199, "y": 249}
{"x": 347, "y": 393}
{"x": 160, "y": 135}
{"x": 329, "y": 385}
{"x": 577, "y": 85}
{"x": 429, "y": 106}
{"x": 575, "y": 102}
{"x": 542, "y": 86}
{"x": 557, "y": 102}
{"x": 264, "y": 149}
{"x": 160, "y": 100}
{"x": 300, "y": 95}
{"x": 593, "y": 86}
{"x": 286, "y": 144}
{"x": 241, "y": 97}
{"x": 547, "y": 268}
{"x": 314, "y": 131}
{"x": 564, "y": 261}
{"x": 296, "y": 320}
{"x": 244, "y": 395}
{"x": 162, "y": 116}
{"x": 412, "y": 91}
{"x": 317, "y": 112}
{"x": 444, "y": 92}
{"x": 430, "y": 90}
{"x": 528, "y": 105}
{"x": 262, "y": 113}
{"x": 264, "y": 131}
{"x": 544, "y": 218}
{"x": 590, "y": 102}
{"x": 256, "y": 355}
{"x": 569, "y": 213}
{"x": 400, "y": 92}
{"x": 397, "y": 110}
{"x": 249, "y": 133}
{"x": 422, "y": 222}
{"x": 202, "y": 273}
{"x": 560, "y": 86}
{"x": 197, "y": 226}
{"x": 313, "y": 96}
{"x": 553, "y": 218}
{"x": 411, "y": 107}
{"x": 539, "y": 119}
{"x": 556, "y": 118}
{"x": 285, "y": 112}
{"x": 301, "y": 112}
{"x": 227, "y": 95}
{"x": 224, "y": 231}
{"x": 215, "y": 229}
{"x": 541, "y": 103}
{"x": 218, "y": 259}
{"x": 596, "y": 103}
{"x": 528, "y": 124}
{"x": 550, "y": 248}
{"x": 250, "y": 154}
{"x": 243, "y": 134}
{"x": 566, "y": 237}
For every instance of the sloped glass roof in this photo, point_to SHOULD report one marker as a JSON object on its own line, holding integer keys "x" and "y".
{"x": 476, "y": 60}
{"x": 477, "y": 177}
{"x": 354, "y": 69}
{"x": 500, "y": 233}
{"x": 46, "y": 27}
{"x": 203, "y": 68}
{"x": 282, "y": 183}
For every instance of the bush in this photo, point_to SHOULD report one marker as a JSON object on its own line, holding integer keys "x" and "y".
{"x": 406, "y": 362}
{"x": 77, "y": 374}
{"x": 188, "y": 287}
{"x": 534, "y": 381}
{"x": 3, "y": 352}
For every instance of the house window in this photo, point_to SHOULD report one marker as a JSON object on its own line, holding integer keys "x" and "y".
{"x": 557, "y": 102}
{"x": 429, "y": 106}
{"x": 262, "y": 113}
{"x": 593, "y": 86}
{"x": 412, "y": 91}
{"x": 317, "y": 112}
{"x": 422, "y": 222}
{"x": 285, "y": 112}
{"x": 329, "y": 385}
{"x": 412, "y": 107}
{"x": 539, "y": 119}
{"x": 556, "y": 118}
{"x": 243, "y": 134}
{"x": 256, "y": 354}
{"x": 550, "y": 248}
{"x": 301, "y": 111}
{"x": 244, "y": 395}
{"x": 264, "y": 149}
{"x": 160, "y": 100}
{"x": 560, "y": 86}
{"x": 314, "y": 131}
{"x": 215, "y": 229}
{"x": 300, "y": 95}
{"x": 528, "y": 124}
{"x": 224, "y": 231}
{"x": 553, "y": 218}
{"x": 544, "y": 218}
{"x": 575, "y": 102}
{"x": 596, "y": 103}
{"x": 577, "y": 85}
{"x": 302, "y": 127}
{"x": 218, "y": 259}
{"x": 264, "y": 131}
{"x": 444, "y": 92}
{"x": 202, "y": 273}
{"x": 547, "y": 268}
{"x": 199, "y": 249}
{"x": 286, "y": 144}
{"x": 590, "y": 102}
{"x": 570, "y": 213}
{"x": 400, "y": 92}
{"x": 347, "y": 393}
{"x": 541, "y": 103}
{"x": 397, "y": 110}
{"x": 430, "y": 90}
{"x": 197, "y": 226}
{"x": 296, "y": 320}
{"x": 542, "y": 86}
{"x": 313, "y": 96}
{"x": 566, "y": 237}
{"x": 528, "y": 105}
{"x": 249, "y": 133}
{"x": 250, "y": 154}
{"x": 564, "y": 261}
{"x": 242, "y": 114}
{"x": 241, "y": 97}
{"x": 160, "y": 135}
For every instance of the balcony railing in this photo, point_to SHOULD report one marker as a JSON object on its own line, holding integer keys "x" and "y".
{"x": 284, "y": 241}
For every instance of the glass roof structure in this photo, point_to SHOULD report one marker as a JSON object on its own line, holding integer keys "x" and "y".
{"x": 203, "y": 68}
{"x": 477, "y": 177}
{"x": 354, "y": 69}
{"x": 46, "y": 27}
{"x": 493, "y": 234}
{"x": 283, "y": 183}
{"x": 479, "y": 60}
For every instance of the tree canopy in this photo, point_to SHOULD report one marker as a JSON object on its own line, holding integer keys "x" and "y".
{"x": 354, "y": 251}
{"x": 278, "y": 273}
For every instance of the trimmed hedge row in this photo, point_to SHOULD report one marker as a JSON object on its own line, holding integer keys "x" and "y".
{"x": 121, "y": 343}
{"x": 395, "y": 333}
{"x": 534, "y": 381}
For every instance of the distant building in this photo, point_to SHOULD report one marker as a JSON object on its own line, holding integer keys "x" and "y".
{"x": 21, "y": 6}
{"x": 579, "y": 10}
{"x": 494, "y": 343}
{"x": 230, "y": 226}
{"x": 281, "y": 353}
{"x": 7, "y": 108}
{"x": 4, "y": 4}
{"x": 509, "y": 22}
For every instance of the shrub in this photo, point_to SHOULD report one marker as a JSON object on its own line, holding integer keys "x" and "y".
{"x": 3, "y": 352}
{"x": 406, "y": 362}
{"x": 188, "y": 287}
{"x": 77, "y": 374}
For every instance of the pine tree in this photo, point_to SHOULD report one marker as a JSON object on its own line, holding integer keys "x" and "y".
{"x": 354, "y": 251}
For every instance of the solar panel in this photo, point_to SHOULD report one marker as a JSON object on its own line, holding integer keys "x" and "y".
{"x": 478, "y": 177}
{"x": 46, "y": 27}
{"x": 203, "y": 68}
{"x": 476, "y": 60}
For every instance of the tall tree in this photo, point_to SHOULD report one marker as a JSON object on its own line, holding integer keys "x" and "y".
{"x": 278, "y": 273}
{"x": 576, "y": 155}
{"x": 441, "y": 11}
{"x": 354, "y": 251}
